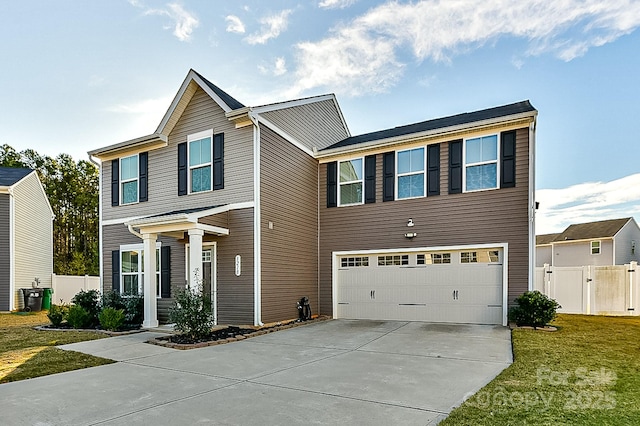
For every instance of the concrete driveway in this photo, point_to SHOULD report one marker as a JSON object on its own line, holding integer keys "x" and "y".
{"x": 332, "y": 372}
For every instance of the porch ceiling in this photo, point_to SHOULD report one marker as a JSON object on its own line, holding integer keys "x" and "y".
{"x": 174, "y": 225}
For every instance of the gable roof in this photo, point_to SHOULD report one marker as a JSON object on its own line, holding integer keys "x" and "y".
{"x": 11, "y": 175}
{"x": 228, "y": 99}
{"x": 439, "y": 123}
{"x": 546, "y": 238}
{"x": 588, "y": 231}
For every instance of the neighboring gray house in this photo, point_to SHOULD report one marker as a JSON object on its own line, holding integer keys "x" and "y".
{"x": 26, "y": 235}
{"x": 263, "y": 205}
{"x": 602, "y": 243}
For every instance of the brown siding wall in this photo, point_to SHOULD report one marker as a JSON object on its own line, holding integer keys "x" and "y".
{"x": 494, "y": 216}
{"x": 201, "y": 114}
{"x": 289, "y": 191}
{"x": 5, "y": 253}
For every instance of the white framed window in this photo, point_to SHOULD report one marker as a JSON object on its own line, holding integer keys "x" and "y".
{"x": 434, "y": 259}
{"x": 410, "y": 176}
{"x": 200, "y": 161}
{"x": 595, "y": 247}
{"x": 358, "y": 261}
{"x": 132, "y": 269}
{"x": 351, "y": 184}
{"x": 481, "y": 166}
{"x": 129, "y": 179}
{"x": 391, "y": 260}
{"x": 468, "y": 257}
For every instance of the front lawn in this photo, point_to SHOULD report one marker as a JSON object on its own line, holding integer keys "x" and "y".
{"x": 586, "y": 373}
{"x": 26, "y": 353}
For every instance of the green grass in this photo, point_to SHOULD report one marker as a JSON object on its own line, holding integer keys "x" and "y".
{"x": 586, "y": 373}
{"x": 26, "y": 353}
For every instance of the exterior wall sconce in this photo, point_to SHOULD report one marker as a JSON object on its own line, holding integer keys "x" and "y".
{"x": 410, "y": 235}
{"x": 410, "y": 222}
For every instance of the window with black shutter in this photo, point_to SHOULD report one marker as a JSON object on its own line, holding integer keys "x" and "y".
{"x": 370, "y": 179}
{"x": 332, "y": 184}
{"x": 455, "y": 167}
{"x": 508, "y": 159}
{"x": 388, "y": 176}
{"x": 433, "y": 170}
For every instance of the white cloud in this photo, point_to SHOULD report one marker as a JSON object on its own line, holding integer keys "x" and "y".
{"x": 234, "y": 25}
{"x": 142, "y": 117}
{"x": 336, "y": 4}
{"x": 437, "y": 30}
{"x": 587, "y": 202}
{"x": 272, "y": 26}
{"x": 184, "y": 22}
{"x": 279, "y": 68}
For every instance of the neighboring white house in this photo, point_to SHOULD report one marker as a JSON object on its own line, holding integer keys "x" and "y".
{"x": 602, "y": 243}
{"x": 26, "y": 235}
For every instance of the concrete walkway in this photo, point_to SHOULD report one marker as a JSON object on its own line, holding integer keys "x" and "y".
{"x": 333, "y": 372}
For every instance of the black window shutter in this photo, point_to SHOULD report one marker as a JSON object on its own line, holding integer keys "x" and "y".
{"x": 508, "y": 159}
{"x": 218, "y": 161}
{"x": 388, "y": 176}
{"x": 143, "y": 170}
{"x": 455, "y": 167}
{"x": 115, "y": 182}
{"x": 433, "y": 169}
{"x": 370, "y": 179}
{"x": 115, "y": 271}
{"x": 165, "y": 271}
{"x": 332, "y": 184}
{"x": 182, "y": 168}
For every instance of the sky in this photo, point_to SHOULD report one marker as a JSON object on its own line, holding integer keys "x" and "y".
{"x": 78, "y": 75}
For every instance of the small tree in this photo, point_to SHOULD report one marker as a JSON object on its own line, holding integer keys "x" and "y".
{"x": 534, "y": 309}
{"x": 192, "y": 313}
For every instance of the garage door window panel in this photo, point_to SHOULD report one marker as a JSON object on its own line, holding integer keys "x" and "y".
{"x": 393, "y": 260}
{"x": 350, "y": 190}
{"x": 410, "y": 177}
{"x": 481, "y": 163}
{"x": 468, "y": 257}
{"x": 351, "y": 262}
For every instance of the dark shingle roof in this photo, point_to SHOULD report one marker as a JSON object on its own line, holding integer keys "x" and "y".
{"x": 454, "y": 120}
{"x": 227, "y": 98}
{"x": 12, "y": 175}
{"x": 586, "y": 231}
{"x": 546, "y": 238}
{"x": 185, "y": 211}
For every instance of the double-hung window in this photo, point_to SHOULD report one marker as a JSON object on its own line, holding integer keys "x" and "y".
{"x": 410, "y": 173}
{"x": 351, "y": 183}
{"x": 595, "y": 247}
{"x": 481, "y": 163}
{"x": 129, "y": 179}
{"x": 200, "y": 163}
{"x": 132, "y": 269}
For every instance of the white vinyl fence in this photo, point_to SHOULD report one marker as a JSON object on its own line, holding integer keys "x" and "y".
{"x": 67, "y": 286}
{"x": 592, "y": 290}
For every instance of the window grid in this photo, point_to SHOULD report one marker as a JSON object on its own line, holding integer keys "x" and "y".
{"x": 481, "y": 163}
{"x": 468, "y": 257}
{"x": 129, "y": 179}
{"x": 351, "y": 182}
{"x": 391, "y": 260}
{"x": 200, "y": 164}
{"x": 347, "y": 262}
{"x": 132, "y": 272}
{"x": 595, "y": 247}
{"x": 410, "y": 175}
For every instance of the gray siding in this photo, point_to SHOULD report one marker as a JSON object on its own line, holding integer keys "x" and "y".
{"x": 579, "y": 254}
{"x": 33, "y": 236}
{"x": 495, "y": 216}
{"x": 623, "y": 240}
{"x": 5, "y": 254}
{"x": 202, "y": 113}
{"x": 315, "y": 125}
{"x": 544, "y": 254}
{"x": 289, "y": 190}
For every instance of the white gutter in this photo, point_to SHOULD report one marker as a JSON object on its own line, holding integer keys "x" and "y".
{"x": 257, "y": 257}
{"x": 134, "y": 232}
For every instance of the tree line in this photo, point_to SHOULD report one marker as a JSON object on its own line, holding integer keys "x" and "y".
{"x": 72, "y": 189}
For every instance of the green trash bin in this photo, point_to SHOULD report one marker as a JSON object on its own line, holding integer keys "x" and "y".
{"x": 46, "y": 298}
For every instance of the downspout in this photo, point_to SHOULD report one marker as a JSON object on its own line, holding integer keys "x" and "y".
{"x": 532, "y": 202}
{"x": 257, "y": 255}
{"x": 100, "y": 252}
{"x": 134, "y": 232}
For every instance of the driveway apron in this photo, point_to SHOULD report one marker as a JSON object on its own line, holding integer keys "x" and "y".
{"x": 331, "y": 372}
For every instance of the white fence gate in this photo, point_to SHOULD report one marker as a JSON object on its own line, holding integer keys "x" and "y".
{"x": 592, "y": 290}
{"x": 66, "y": 286}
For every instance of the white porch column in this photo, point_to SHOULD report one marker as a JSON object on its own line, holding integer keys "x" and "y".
{"x": 195, "y": 259}
{"x": 150, "y": 302}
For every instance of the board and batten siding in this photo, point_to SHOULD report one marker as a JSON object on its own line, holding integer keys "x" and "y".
{"x": 33, "y": 246}
{"x": 5, "y": 252}
{"x": 484, "y": 217}
{"x": 289, "y": 201}
{"x": 201, "y": 114}
{"x": 315, "y": 124}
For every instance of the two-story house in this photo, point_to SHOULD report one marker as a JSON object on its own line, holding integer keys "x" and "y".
{"x": 263, "y": 205}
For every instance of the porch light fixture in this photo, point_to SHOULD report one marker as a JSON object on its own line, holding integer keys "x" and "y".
{"x": 410, "y": 235}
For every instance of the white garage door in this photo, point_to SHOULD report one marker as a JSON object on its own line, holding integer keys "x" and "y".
{"x": 461, "y": 286}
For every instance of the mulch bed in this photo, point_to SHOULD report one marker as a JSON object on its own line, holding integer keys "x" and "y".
{"x": 225, "y": 335}
{"x": 67, "y": 327}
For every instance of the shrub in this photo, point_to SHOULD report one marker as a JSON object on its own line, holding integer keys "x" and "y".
{"x": 192, "y": 314}
{"x": 111, "y": 319}
{"x": 131, "y": 304}
{"x": 57, "y": 314}
{"x": 534, "y": 309}
{"x": 78, "y": 317}
{"x": 90, "y": 301}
